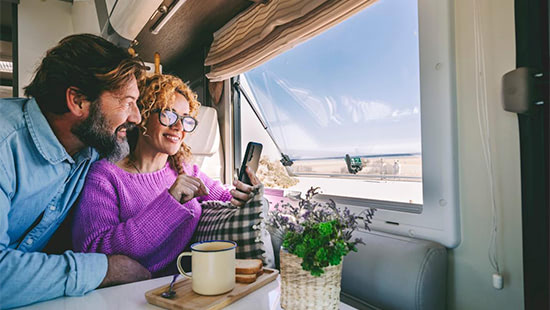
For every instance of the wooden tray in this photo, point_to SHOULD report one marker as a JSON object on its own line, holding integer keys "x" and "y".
{"x": 186, "y": 299}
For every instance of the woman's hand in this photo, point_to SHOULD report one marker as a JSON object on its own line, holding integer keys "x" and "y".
{"x": 241, "y": 192}
{"x": 187, "y": 187}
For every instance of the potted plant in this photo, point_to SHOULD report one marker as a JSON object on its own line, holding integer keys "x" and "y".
{"x": 315, "y": 238}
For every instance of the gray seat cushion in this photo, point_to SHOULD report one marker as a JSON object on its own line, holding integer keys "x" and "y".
{"x": 394, "y": 272}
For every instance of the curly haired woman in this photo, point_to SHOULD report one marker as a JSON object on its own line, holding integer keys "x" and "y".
{"x": 147, "y": 206}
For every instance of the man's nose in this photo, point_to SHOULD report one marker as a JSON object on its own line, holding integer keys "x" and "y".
{"x": 135, "y": 115}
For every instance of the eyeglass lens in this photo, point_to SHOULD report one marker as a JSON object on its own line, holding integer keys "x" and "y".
{"x": 169, "y": 118}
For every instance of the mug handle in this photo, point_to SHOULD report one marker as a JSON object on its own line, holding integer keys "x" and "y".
{"x": 180, "y": 269}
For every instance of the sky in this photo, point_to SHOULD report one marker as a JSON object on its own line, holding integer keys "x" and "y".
{"x": 354, "y": 89}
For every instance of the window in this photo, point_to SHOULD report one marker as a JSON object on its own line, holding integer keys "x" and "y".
{"x": 363, "y": 88}
{"x": 336, "y": 95}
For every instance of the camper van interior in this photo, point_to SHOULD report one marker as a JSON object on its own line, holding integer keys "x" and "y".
{"x": 433, "y": 112}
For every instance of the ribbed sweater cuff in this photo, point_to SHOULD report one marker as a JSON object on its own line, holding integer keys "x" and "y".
{"x": 225, "y": 195}
{"x": 217, "y": 193}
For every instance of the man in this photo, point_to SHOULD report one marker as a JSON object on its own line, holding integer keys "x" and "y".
{"x": 83, "y": 95}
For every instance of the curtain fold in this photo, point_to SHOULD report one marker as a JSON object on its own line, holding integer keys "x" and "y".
{"x": 266, "y": 30}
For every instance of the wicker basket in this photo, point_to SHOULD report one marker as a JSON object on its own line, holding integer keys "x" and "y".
{"x": 301, "y": 290}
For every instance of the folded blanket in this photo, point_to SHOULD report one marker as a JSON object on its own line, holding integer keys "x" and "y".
{"x": 224, "y": 221}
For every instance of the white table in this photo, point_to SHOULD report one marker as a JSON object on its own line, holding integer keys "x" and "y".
{"x": 132, "y": 296}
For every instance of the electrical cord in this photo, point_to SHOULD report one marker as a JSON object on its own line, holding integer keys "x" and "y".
{"x": 483, "y": 122}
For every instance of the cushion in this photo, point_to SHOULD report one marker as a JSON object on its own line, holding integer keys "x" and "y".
{"x": 224, "y": 221}
{"x": 396, "y": 272}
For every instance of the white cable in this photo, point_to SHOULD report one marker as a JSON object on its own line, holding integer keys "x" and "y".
{"x": 483, "y": 122}
{"x": 483, "y": 118}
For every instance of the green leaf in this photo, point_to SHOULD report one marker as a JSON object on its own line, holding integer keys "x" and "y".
{"x": 321, "y": 254}
{"x": 325, "y": 229}
{"x": 300, "y": 250}
{"x": 335, "y": 260}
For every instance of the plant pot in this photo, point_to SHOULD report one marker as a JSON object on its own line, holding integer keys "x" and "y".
{"x": 301, "y": 290}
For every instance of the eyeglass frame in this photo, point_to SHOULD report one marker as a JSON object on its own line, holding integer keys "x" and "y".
{"x": 179, "y": 117}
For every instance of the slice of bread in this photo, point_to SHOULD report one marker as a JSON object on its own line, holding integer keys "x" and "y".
{"x": 248, "y": 266}
{"x": 259, "y": 273}
{"x": 245, "y": 278}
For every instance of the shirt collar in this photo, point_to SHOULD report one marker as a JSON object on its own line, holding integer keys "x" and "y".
{"x": 42, "y": 134}
{"x": 86, "y": 154}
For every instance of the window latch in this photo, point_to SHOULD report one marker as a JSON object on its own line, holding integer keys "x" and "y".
{"x": 285, "y": 160}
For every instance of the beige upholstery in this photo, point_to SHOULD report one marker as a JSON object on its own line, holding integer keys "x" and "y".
{"x": 205, "y": 143}
{"x": 394, "y": 272}
{"x": 205, "y": 139}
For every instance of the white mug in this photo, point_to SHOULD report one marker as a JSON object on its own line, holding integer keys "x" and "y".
{"x": 212, "y": 266}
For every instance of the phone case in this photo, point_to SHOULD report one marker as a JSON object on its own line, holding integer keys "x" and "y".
{"x": 251, "y": 159}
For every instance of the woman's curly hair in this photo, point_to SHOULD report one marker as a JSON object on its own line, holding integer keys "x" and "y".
{"x": 159, "y": 92}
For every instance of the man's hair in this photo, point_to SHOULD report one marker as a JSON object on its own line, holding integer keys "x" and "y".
{"x": 90, "y": 63}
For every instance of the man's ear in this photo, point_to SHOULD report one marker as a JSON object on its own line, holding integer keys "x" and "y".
{"x": 76, "y": 102}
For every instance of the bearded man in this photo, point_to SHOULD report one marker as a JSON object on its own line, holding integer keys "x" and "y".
{"x": 80, "y": 104}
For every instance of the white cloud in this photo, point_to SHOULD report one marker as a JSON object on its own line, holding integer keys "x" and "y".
{"x": 360, "y": 110}
{"x": 309, "y": 102}
{"x": 327, "y": 111}
{"x": 405, "y": 112}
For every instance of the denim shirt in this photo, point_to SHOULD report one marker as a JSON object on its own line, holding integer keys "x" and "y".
{"x": 39, "y": 182}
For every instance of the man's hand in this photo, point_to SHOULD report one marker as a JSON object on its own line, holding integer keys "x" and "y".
{"x": 123, "y": 269}
{"x": 187, "y": 187}
{"x": 242, "y": 191}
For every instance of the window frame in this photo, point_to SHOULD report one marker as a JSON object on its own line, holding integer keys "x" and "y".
{"x": 438, "y": 218}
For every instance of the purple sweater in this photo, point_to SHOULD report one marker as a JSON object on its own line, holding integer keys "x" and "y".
{"x": 135, "y": 215}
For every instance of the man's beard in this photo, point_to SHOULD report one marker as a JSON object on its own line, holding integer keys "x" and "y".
{"x": 93, "y": 131}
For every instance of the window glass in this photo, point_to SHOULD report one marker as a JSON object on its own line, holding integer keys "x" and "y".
{"x": 353, "y": 90}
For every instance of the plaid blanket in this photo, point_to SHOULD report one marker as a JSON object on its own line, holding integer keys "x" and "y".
{"x": 224, "y": 221}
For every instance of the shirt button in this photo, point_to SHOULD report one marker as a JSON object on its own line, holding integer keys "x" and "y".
{"x": 52, "y": 208}
{"x": 29, "y": 241}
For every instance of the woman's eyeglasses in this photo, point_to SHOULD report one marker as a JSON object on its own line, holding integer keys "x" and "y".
{"x": 169, "y": 118}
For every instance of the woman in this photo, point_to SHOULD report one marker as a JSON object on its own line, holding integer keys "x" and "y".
{"x": 147, "y": 206}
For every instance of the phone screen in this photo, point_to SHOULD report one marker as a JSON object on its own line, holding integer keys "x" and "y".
{"x": 251, "y": 159}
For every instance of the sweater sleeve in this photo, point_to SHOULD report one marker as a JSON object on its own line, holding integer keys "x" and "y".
{"x": 216, "y": 189}
{"x": 97, "y": 226}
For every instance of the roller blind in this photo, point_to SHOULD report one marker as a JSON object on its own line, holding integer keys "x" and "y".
{"x": 266, "y": 30}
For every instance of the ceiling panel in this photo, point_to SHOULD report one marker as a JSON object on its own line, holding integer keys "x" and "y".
{"x": 188, "y": 30}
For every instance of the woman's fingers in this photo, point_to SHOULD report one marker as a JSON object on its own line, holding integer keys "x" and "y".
{"x": 195, "y": 183}
{"x": 187, "y": 187}
{"x": 240, "y": 195}
{"x": 187, "y": 194}
{"x": 203, "y": 190}
{"x": 237, "y": 202}
{"x": 199, "y": 189}
{"x": 242, "y": 191}
{"x": 243, "y": 187}
{"x": 185, "y": 179}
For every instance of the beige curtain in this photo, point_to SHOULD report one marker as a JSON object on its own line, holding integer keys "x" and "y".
{"x": 266, "y": 30}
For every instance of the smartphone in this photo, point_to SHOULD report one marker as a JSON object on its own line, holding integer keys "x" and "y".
{"x": 251, "y": 159}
